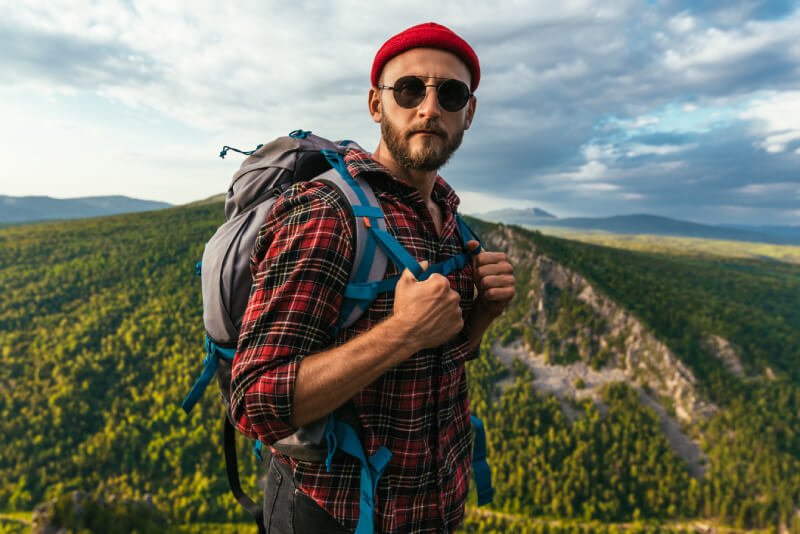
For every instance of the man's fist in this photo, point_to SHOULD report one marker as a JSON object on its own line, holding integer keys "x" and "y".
{"x": 494, "y": 278}
{"x": 429, "y": 311}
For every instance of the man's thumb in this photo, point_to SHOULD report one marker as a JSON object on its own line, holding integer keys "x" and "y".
{"x": 408, "y": 276}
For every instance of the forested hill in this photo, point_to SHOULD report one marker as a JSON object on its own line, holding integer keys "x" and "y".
{"x": 41, "y": 208}
{"x": 101, "y": 336}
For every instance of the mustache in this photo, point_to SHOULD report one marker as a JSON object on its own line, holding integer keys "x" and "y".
{"x": 429, "y": 126}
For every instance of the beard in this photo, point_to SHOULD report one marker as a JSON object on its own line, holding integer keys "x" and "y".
{"x": 433, "y": 153}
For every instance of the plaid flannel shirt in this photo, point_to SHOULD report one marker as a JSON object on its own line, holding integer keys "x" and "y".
{"x": 419, "y": 409}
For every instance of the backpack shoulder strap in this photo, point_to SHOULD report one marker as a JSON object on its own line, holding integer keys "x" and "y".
{"x": 370, "y": 261}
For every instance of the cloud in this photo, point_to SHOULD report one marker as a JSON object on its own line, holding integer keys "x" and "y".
{"x": 637, "y": 149}
{"x": 585, "y": 107}
{"x": 777, "y": 119}
{"x": 784, "y": 189}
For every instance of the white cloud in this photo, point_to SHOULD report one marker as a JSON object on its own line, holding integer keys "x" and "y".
{"x": 777, "y": 120}
{"x": 773, "y": 188}
{"x": 589, "y": 171}
{"x": 597, "y": 186}
{"x": 596, "y": 151}
{"x": 592, "y": 170}
{"x": 721, "y": 47}
{"x": 641, "y": 122}
{"x": 638, "y": 149}
{"x": 682, "y": 23}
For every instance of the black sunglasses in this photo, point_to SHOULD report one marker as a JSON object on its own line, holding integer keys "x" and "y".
{"x": 410, "y": 91}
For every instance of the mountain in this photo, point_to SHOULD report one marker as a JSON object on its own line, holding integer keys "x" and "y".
{"x": 619, "y": 386}
{"x": 518, "y": 216}
{"x": 653, "y": 224}
{"x": 39, "y": 208}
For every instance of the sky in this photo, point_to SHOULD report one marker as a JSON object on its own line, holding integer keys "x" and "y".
{"x": 683, "y": 109}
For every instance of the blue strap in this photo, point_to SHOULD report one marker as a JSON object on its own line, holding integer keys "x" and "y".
{"x": 480, "y": 468}
{"x": 363, "y": 209}
{"x": 396, "y": 252}
{"x": 448, "y": 266}
{"x": 366, "y": 292}
{"x": 337, "y": 162}
{"x": 257, "y": 448}
{"x": 368, "y": 211}
{"x": 300, "y": 134}
{"x": 467, "y": 234}
{"x": 213, "y": 351}
{"x": 341, "y": 435}
{"x": 226, "y": 148}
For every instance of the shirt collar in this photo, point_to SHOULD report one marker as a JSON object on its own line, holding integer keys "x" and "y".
{"x": 360, "y": 162}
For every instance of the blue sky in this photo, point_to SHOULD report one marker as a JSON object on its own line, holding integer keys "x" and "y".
{"x": 677, "y": 108}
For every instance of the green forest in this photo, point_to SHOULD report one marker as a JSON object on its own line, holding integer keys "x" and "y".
{"x": 101, "y": 335}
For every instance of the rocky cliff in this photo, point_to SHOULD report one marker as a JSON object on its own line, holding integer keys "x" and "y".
{"x": 576, "y": 339}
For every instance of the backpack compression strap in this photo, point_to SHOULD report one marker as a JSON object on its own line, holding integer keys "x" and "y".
{"x": 371, "y": 230}
{"x": 342, "y": 436}
{"x": 213, "y": 351}
{"x": 480, "y": 468}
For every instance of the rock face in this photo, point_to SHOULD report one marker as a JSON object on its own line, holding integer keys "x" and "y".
{"x": 571, "y": 322}
{"x": 575, "y": 339}
{"x": 726, "y": 352}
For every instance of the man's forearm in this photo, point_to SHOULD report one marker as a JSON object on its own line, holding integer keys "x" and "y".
{"x": 328, "y": 379}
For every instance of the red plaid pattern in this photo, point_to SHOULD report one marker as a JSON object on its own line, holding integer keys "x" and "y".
{"x": 419, "y": 410}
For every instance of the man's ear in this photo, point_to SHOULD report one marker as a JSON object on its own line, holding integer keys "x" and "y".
{"x": 471, "y": 106}
{"x": 374, "y": 103}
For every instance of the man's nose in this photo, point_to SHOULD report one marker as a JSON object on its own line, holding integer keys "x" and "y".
{"x": 429, "y": 107}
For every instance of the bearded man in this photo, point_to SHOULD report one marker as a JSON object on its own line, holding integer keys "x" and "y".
{"x": 401, "y": 365}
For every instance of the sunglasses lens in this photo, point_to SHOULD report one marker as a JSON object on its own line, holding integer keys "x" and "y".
{"x": 453, "y": 95}
{"x": 409, "y": 91}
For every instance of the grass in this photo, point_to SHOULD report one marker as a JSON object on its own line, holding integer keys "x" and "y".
{"x": 685, "y": 246}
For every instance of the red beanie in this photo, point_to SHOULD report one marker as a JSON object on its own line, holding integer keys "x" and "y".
{"x": 427, "y": 35}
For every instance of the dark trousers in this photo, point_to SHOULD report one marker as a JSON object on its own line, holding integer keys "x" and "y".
{"x": 287, "y": 510}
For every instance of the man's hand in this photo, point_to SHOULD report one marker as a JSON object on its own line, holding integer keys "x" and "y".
{"x": 494, "y": 278}
{"x": 428, "y": 311}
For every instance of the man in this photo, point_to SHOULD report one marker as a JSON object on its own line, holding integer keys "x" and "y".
{"x": 402, "y": 363}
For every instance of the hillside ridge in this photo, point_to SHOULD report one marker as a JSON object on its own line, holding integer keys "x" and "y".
{"x": 101, "y": 337}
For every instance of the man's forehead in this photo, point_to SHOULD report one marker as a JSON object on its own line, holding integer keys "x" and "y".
{"x": 431, "y": 62}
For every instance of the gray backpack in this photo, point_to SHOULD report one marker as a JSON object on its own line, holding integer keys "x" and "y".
{"x": 226, "y": 279}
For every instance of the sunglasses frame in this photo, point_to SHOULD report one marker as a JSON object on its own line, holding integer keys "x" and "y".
{"x": 422, "y": 79}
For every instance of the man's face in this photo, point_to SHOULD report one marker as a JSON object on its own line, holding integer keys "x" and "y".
{"x": 422, "y": 138}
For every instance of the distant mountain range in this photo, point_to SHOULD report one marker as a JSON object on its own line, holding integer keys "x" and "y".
{"x": 649, "y": 224}
{"x": 40, "y": 208}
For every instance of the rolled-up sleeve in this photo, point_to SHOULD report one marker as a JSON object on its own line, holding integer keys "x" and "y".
{"x": 301, "y": 264}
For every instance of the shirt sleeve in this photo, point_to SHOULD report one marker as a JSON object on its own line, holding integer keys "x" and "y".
{"x": 302, "y": 261}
